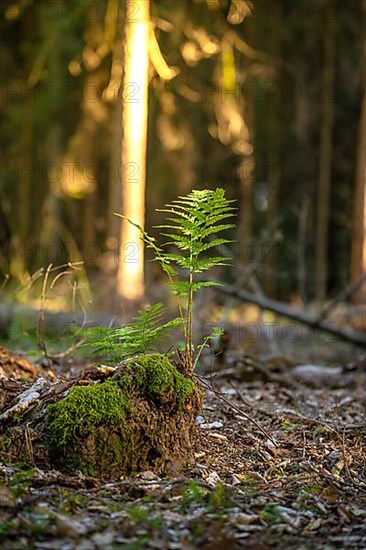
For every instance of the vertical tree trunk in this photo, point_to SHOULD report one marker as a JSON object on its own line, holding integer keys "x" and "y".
{"x": 114, "y": 186}
{"x": 246, "y": 171}
{"x": 27, "y": 180}
{"x": 303, "y": 121}
{"x": 274, "y": 154}
{"x": 28, "y": 165}
{"x": 89, "y": 229}
{"x": 50, "y": 231}
{"x": 130, "y": 278}
{"x": 326, "y": 153}
{"x": 358, "y": 266}
{"x": 302, "y": 244}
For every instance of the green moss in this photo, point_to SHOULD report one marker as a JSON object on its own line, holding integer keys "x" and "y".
{"x": 159, "y": 379}
{"x": 84, "y": 408}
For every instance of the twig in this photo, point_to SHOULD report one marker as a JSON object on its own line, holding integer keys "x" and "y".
{"x": 41, "y": 341}
{"x": 303, "y": 418}
{"x": 28, "y": 397}
{"x": 32, "y": 279}
{"x": 5, "y": 281}
{"x": 264, "y": 57}
{"x": 235, "y": 408}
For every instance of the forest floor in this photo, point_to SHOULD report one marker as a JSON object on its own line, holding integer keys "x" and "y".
{"x": 279, "y": 461}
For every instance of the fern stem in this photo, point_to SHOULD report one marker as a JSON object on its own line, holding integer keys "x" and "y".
{"x": 189, "y": 338}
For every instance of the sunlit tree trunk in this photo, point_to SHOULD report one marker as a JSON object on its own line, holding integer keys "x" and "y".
{"x": 326, "y": 153}
{"x": 358, "y": 266}
{"x": 130, "y": 278}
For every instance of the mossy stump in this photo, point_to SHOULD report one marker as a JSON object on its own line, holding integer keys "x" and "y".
{"x": 141, "y": 418}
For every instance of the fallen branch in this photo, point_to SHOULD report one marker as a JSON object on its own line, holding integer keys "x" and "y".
{"x": 25, "y": 400}
{"x": 285, "y": 310}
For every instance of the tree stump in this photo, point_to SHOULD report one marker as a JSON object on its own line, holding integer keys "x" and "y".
{"x": 141, "y": 417}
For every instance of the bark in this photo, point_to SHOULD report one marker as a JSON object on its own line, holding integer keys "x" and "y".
{"x": 326, "y": 154}
{"x": 302, "y": 243}
{"x": 274, "y": 148}
{"x": 358, "y": 266}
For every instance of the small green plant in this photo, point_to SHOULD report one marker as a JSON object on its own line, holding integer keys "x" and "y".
{"x": 71, "y": 501}
{"x": 21, "y": 481}
{"x": 193, "y": 494}
{"x": 218, "y": 498}
{"x": 192, "y": 226}
{"x": 271, "y": 514}
{"x": 141, "y": 335}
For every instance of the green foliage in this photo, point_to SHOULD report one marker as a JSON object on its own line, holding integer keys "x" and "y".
{"x": 141, "y": 335}
{"x": 217, "y": 498}
{"x": 141, "y": 515}
{"x": 194, "y": 222}
{"x": 193, "y": 494}
{"x": 214, "y": 499}
{"x": 271, "y": 514}
{"x": 71, "y": 501}
{"x": 21, "y": 481}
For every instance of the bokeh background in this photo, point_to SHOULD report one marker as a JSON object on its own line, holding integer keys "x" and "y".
{"x": 263, "y": 98}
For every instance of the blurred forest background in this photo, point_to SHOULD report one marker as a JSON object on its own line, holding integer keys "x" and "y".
{"x": 266, "y": 99}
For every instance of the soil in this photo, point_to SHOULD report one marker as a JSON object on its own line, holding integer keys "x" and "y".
{"x": 277, "y": 463}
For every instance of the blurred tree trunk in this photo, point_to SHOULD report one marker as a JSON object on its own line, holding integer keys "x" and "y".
{"x": 27, "y": 180}
{"x": 302, "y": 240}
{"x": 50, "y": 230}
{"x": 246, "y": 173}
{"x": 49, "y": 233}
{"x": 89, "y": 228}
{"x": 303, "y": 121}
{"x": 358, "y": 266}
{"x": 28, "y": 164}
{"x": 274, "y": 154}
{"x": 130, "y": 277}
{"x": 80, "y": 175}
{"x": 326, "y": 153}
{"x": 246, "y": 181}
{"x": 114, "y": 187}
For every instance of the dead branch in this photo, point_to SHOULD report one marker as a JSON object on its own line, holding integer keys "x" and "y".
{"x": 25, "y": 400}
{"x": 285, "y": 310}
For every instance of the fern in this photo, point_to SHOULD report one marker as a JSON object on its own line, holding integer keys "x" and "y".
{"x": 192, "y": 227}
{"x": 193, "y": 223}
{"x": 139, "y": 336}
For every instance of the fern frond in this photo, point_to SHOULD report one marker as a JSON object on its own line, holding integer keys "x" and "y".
{"x": 141, "y": 335}
{"x": 192, "y": 228}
